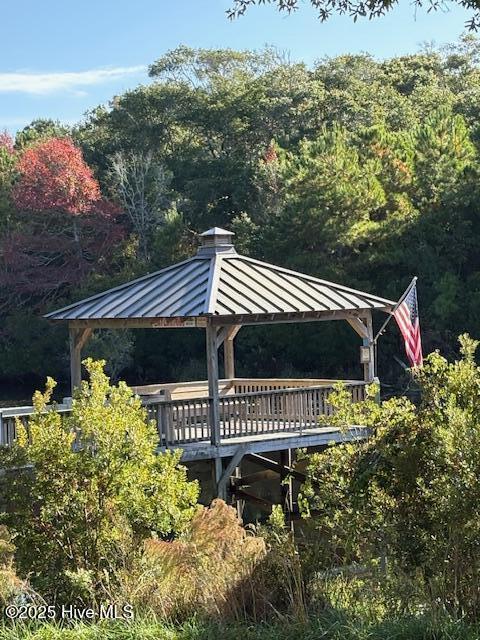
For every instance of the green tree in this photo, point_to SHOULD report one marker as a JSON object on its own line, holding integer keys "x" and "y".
{"x": 40, "y": 130}
{"x": 243, "y": 136}
{"x": 330, "y": 198}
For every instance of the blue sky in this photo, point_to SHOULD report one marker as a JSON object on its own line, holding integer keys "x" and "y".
{"x": 58, "y": 58}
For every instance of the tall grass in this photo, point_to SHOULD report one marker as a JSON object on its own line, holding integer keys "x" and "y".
{"x": 207, "y": 571}
{"x": 327, "y": 627}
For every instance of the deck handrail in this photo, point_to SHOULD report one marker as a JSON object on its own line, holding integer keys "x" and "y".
{"x": 9, "y": 416}
{"x": 183, "y": 420}
{"x": 29, "y": 410}
{"x": 186, "y": 420}
{"x": 185, "y": 401}
{"x": 227, "y": 386}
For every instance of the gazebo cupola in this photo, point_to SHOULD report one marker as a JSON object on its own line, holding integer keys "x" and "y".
{"x": 216, "y": 241}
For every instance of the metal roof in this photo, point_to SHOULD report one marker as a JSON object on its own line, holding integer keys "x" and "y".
{"x": 220, "y": 282}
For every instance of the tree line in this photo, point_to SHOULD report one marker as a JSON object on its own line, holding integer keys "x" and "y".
{"x": 361, "y": 171}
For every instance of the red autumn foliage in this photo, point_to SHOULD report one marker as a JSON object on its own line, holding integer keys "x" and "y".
{"x": 72, "y": 234}
{"x": 54, "y": 176}
{"x": 50, "y": 254}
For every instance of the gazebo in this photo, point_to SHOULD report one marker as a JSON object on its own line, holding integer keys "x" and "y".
{"x": 219, "y": 291}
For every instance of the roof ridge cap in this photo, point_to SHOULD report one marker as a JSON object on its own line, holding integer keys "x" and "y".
{"x": 213, "y": 280}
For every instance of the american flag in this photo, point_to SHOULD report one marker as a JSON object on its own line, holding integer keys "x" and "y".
{"x": 406, "y": 315}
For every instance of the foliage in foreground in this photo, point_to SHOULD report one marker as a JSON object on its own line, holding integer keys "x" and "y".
{"x": 410, "y": 494}
{"x": 332, "y": 626}
{"x": 395, "y": 519}
{"x": 10, "y": 584}
{"x": 353, "y": 8}
{"x": 81, "y": 492}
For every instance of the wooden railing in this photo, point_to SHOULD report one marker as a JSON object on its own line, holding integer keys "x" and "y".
{"x": 251, "y": 407}
{"x": 180, "y": 421}
{"x": 227, "y": 386}
{"x": 10, "y": 415}
{"x": 246, "y": 414}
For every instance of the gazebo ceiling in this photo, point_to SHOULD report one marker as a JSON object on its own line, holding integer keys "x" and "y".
{"x": 219, "y": 282}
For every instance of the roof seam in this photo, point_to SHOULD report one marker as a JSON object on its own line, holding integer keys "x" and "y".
{"x": 212, "y": 286}
{"x": 250, "y": 290}
{"x": 281, "y": 287}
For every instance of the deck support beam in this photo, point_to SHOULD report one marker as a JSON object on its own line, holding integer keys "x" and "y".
{"x": 286, "y": 487}
{"x": 78, "y": 339}
{"x": 284, "y": 468}
{"x": 229, "y": 471}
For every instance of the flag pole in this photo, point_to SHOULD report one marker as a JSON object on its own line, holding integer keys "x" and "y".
{"x": 402, "y": 298}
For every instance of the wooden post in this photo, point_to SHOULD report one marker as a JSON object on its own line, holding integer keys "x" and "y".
{"x": 239, "y": 503}
{"x": 75, "y": 361}
{"x": 229, "y": 357}
{"x": 218, "y": 473}
{"x": 78, "y": 337}
{"x": 369, "y": 367}
{"x": 214, "y": 413}
{"x": 227, "y": 336}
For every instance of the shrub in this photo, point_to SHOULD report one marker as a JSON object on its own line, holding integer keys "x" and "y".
{"x": 279, "y": 584}
{"x": 82, "y": 491}
{"x": 410, "y": 494}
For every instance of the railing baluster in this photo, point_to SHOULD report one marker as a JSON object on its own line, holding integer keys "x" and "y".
{"x": 263, "y": 408}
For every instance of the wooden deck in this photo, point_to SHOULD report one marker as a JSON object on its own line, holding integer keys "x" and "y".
{"x": 257, "y": 414}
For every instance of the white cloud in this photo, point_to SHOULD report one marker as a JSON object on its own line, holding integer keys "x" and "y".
{"x": 46, "y": 83}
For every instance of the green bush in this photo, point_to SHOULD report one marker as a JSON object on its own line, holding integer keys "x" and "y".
{"x": 408, "y": 498}
{"x": 81, "y": 492}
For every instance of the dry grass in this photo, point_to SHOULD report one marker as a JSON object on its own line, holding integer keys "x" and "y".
{"x": 206, "y": 572}
{"x": 11, "y": 586}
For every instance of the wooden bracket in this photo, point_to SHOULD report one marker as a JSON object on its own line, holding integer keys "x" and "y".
{"x": 359, "y": 326}
{"x": 227, "y": 333}
{"x": 83, "y": 337}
